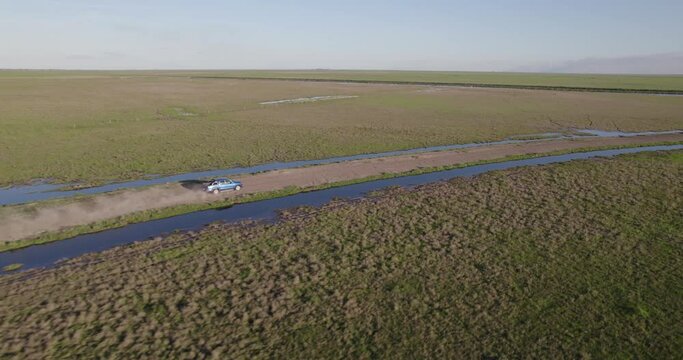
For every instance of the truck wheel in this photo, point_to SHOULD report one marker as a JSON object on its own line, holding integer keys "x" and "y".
{"x": 238, "y": 188}
{"x": 215, "y": 191}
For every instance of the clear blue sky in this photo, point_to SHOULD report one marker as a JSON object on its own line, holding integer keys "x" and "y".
{"x": 430, "y": 35}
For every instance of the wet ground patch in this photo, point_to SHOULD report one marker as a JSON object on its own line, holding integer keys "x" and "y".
{"x": 308, "y": 99}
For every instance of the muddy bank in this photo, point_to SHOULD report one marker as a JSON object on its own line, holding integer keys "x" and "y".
{"x": 102, "y": 207}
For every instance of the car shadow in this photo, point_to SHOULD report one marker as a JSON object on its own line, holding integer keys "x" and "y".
{"x": 193, "y": 184}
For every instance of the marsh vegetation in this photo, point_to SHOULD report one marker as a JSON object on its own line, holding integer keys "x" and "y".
{"x": 569, "y": 260}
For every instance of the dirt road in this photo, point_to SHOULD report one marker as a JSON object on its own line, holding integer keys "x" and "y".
{"x": 106, "y": 206}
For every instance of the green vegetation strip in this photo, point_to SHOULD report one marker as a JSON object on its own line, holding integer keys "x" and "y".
{"x": 576, "y": 260}
{"x": 149, "y": 215}
{"x": 12, "y": 267}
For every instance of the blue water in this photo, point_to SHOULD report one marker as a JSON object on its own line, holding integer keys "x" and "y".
{"x": 46, "y": 255}
{"x": 31, "y": 193}
{"x": 603, "y": 133}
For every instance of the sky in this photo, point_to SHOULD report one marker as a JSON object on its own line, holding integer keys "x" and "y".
{"x": 513, "y": 35}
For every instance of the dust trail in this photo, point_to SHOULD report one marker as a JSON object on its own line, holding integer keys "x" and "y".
{"x": 94, "y": 209}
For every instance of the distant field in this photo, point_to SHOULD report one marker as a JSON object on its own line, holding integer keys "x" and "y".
{"x": 95, "y": 126}
{"x": 625, "y": 82}
{"x": 578, "y": 260}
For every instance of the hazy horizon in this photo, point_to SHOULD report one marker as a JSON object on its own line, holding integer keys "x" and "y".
{"x": 624, "y": 37}
{"x": 588, "y": 66}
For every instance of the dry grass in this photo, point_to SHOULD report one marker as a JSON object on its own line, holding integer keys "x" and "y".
{"x": 104, "y": 128}
{"x": 564, "y": 261}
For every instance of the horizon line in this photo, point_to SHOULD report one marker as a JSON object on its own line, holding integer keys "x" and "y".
{"x": 342, "y": 69}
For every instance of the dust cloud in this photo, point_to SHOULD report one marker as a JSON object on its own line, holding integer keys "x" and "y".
{"x": 98, "y": 208}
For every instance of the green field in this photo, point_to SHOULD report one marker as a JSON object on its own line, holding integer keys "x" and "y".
{"x": 574, "y": 260}
{"x": 95, "y": 127}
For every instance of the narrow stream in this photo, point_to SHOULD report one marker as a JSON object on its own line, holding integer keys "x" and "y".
{"x": 46, "y": 255}
{"x": 30, "y": 193}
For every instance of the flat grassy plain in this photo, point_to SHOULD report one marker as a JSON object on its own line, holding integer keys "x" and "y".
{"x": 95, "y": 127}
{"x": 582, "y": 259}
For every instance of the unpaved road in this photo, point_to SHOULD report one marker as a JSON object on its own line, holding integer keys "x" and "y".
{"x": 106, "y": 206}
